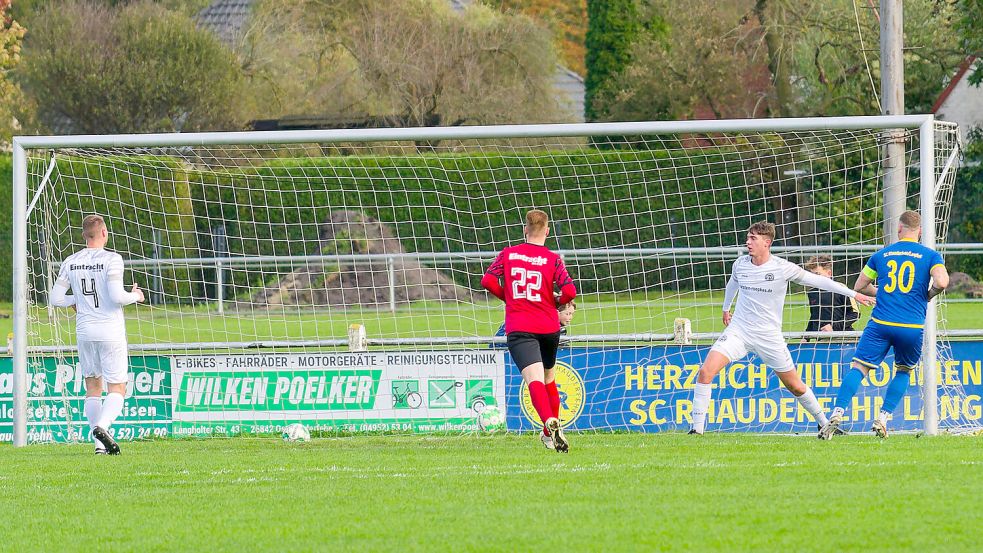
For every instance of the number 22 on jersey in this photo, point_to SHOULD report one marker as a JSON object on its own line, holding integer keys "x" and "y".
{"x": 526, "y": 284}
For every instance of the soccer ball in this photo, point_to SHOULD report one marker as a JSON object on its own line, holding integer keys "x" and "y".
{"x": 491, "y": 419}
{"x": 296, "y": 432}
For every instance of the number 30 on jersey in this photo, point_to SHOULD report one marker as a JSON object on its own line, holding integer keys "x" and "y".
{"x": 902, "y": 279}
{"x": 526, "y": 284}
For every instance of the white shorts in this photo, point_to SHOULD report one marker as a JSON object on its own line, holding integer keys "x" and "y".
{"x": 735, "y": 343}
{"x": 104, "y": 359}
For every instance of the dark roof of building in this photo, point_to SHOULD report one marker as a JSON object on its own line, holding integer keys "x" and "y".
{"x": 226, "y": 18}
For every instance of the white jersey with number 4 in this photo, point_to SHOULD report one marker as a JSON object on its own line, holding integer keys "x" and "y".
{"x": 88, "y": 273}
{"x": 761, "y": 291}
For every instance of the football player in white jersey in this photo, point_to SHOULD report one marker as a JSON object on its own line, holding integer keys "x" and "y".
{"x": 95, "y": 277}
{"x": 760, "y": 282}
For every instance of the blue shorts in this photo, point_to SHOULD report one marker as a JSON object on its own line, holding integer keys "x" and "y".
{"x": 877, "y": 339}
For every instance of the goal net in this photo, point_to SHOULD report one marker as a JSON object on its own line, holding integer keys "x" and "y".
{"x": 332, "y": 278}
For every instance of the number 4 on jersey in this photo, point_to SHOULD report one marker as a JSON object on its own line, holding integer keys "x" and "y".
{"x": 90, "y": 291}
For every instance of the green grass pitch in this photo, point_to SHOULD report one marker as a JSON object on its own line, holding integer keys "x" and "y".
{"x": 613, "y": 492}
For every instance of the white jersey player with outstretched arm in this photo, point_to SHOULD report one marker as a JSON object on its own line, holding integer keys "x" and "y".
{"x": 759, "y": 281}
{"x": 95, "y": 277}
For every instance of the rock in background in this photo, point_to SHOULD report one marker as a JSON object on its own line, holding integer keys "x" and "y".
{"x": 363, "y": 283}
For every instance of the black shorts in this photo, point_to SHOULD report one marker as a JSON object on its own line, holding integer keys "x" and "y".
{"x": 528, "y": 348}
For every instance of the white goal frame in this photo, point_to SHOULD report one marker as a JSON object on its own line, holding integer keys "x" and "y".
{"x": 22, "y": 200}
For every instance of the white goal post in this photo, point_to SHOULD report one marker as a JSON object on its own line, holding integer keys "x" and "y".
{"x": 220, "y": 151}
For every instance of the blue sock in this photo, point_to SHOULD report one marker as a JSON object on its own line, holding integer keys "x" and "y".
{"x": 895, "y": 391}
{"x": 848, "y": 388}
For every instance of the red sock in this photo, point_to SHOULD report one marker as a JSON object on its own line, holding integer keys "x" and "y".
{"x": 554, "y": 395}
{"x": 540, "y": 400}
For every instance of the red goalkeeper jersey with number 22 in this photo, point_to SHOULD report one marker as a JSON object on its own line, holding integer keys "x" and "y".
{"x": 532, "y": 274}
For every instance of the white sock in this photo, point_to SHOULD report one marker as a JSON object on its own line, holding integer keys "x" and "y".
{"x": 837, "y": 412}
{"x": 93, "y": 408}
{"x": 883, "y": 416}
{"x": 809, "y": 402}
{"x": 111, "y": 408}
{"x": 701, "y": 403}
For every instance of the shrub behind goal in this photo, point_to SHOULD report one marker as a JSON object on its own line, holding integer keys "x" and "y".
{"x": 259, "y": 251}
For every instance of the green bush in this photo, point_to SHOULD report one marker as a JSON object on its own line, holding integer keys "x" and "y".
{"x": 6, "y": 227}
{"x": 455, "y": 203}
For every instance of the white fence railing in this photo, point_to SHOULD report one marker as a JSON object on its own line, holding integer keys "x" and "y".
{"x": 572, "y": 256}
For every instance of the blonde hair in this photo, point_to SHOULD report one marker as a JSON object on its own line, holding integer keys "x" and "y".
{"x": 92, "y": 225}
{"x": 567, "y": 305}
{"x": 763, "y": 228}
{"x": 910, "y": 220}
{"x": 817, "y": 261}
{"x": 536, "y": 221}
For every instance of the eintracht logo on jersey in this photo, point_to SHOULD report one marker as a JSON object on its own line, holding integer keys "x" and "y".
{"x": 572, "y": 392}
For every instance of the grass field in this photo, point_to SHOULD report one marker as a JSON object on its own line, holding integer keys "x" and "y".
{"x": 613, "y": 492}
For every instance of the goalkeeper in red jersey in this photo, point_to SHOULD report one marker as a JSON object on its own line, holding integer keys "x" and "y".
{"x": 530, "y": 273}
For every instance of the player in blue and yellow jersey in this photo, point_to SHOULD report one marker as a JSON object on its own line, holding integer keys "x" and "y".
{"x": 905, "y": 276}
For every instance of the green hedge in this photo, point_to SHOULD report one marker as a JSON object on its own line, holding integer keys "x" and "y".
{"x": 598, "y": 199}
{"x": 457, "y": 203}
{"x": 6, "y": 227}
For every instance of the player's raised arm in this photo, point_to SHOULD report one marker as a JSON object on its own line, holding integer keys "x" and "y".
{"x": 867, "y": 280}
{"x": 805, "y": 278}
{"x": 492, "y": 281}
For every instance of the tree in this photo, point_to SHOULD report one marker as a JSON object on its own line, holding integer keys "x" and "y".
{"x": 416, "y": 60}
{"x": 11, "y": 36}
{"x": 567, "y": 19}
{"x": 698, "y": 62}
{"x": 428, "y": 61}
{"x": 970, "y": 27}
{"x": 292, "y": 55}
{"x": 612, "y": 28}
{"x": 753, "y": 58}
{"x": 136, "y": 68}
{"x": 967, "y": 221}
{"x": 836, "y": 57}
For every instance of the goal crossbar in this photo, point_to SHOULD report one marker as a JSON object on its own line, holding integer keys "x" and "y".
{"x": 476, "y": 132}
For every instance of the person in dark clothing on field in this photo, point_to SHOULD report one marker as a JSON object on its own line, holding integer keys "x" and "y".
{"x": 829, "y": 312}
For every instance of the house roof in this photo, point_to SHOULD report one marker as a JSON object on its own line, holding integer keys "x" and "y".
{"x": 963, "y": 70}
{"x": 226, "y": 18}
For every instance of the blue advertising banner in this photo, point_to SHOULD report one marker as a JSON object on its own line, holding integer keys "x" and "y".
{"x": 649, "y": 389}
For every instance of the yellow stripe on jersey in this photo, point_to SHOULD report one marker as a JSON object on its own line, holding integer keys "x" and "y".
{"x": 904, "y": 325}
{"x": 936, "y": 265}
{"x": 870, "y": 273}
{"x": 864, "y": 363}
